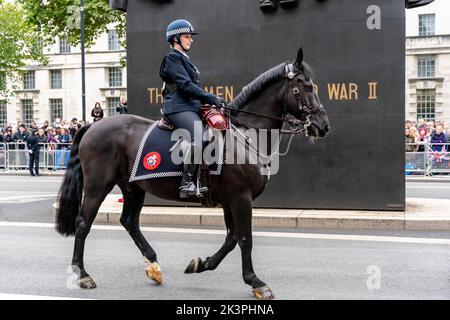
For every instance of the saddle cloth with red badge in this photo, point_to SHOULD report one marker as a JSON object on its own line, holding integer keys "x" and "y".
{"x": 154, "y": 160}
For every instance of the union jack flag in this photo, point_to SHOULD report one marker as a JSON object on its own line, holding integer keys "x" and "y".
{"x": 439, "y": 156}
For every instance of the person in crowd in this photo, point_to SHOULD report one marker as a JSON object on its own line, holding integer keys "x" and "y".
{"x": 422, "y": 139}
{"x": 97, "y": 112}
{"x": 438, "y": 136}
{"x": 123, "y": 106}
{"x": 33, "y": 150}
{"x": 410, "y": 141}
{"x": 408, "y": 124}
{"x": 51, "y": 138}
{"x": 56, "y": 123}
{"x": 46, "y": 125}
{"x": 21, "y": 137}
{"x": 8, "y": 134}
{"x": 64, "y": 139}
{"x": 19, "y": 123}
{"x": 73, "y": 128}
{"x": 413, "y": 132}
{"x": 42, "y": 136}
{"x": 34, "y": 126}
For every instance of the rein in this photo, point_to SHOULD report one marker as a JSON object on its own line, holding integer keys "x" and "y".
{"x": 297, "y": 126}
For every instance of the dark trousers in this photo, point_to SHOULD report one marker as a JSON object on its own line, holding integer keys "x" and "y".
{"x": 34, "y": 159}
{"x": 190, "y": 120}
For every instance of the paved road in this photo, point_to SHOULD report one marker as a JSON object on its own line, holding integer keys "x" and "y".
{"x": 304, "y": 266}
{"x": 25, "y": 198}
{"x": 297, "y": 264}
{"x": 438, "y": 190}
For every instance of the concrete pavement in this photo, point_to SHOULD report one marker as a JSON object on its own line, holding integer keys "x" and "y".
{"x": 420, "y": 214}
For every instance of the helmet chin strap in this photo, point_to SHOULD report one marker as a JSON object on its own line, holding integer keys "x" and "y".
{"x": 178, "y": 41}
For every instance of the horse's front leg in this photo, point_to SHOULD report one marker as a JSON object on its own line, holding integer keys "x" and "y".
{"x": 197, "y": 265}
{"x": 241, "y": 208}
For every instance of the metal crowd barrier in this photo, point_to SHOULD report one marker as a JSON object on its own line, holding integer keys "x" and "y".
{"x": 52, "y": 156}
{"x": 424, "y": 159}
{"x": 3, "y": 156}
{"x": 427, "y": 158}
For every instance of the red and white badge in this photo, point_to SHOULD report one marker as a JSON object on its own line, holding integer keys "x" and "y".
{"x": 152, "y": 161}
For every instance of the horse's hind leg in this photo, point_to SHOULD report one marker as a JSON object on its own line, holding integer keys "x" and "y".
{"x": 241, "y": 208}
{"x": 211, "y": 263}
{"x": 133, "y": 201}
{"x": 93, "y": 198}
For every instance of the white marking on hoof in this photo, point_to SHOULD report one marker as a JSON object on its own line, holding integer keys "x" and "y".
{"x": 153, "y": 271}
{"x": 263, "y": 293}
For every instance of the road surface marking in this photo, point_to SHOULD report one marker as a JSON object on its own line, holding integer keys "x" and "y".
{"x": 33, "y": 179}
{"x": 426, "y": 187}
{"x": 287, "y": 235}
{"x": 23, "y": 199}
{"x": 7, "y": 296}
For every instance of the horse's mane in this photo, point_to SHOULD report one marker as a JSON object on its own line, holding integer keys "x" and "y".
{"x": 262, "y": 80}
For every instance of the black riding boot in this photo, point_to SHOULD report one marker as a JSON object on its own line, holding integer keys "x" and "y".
{"x": 187, "y": 186}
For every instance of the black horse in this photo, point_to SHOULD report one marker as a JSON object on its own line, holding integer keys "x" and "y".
{"x": 99, "y": 160}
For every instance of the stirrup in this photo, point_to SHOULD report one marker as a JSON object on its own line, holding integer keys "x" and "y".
{"x": 187, "y": 190}
{"x": 200, "y": 190}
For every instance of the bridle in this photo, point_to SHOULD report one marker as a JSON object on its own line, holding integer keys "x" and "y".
{"x": 297, "y": 126}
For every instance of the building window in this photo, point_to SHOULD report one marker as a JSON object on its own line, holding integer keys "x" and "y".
{"x": 27, "y": 112}
{"x": 115, "y": 77}
{"x": 2, "y": 81}
{"x": 427, "y": 24}
{"x": 29, "y": 82}
{"x": 113, "y": 40}
{"x": 426, "y": 104}
{"x": 56, "y": 109}
{"x": 426, "y": 66}
{"x": 64, "y": 46}
{"x": 112, "y": 104}
{"x": 3, "y": 115}
{"x": 55, "y": 79}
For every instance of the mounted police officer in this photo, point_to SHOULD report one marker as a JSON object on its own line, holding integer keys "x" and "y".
{"x": 183, "y": 96}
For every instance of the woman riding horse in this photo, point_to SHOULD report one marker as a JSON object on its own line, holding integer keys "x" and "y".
{"x": 183, "y": 96}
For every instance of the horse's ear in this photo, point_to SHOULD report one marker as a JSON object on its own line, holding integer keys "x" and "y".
{"x": 299, "y": 59}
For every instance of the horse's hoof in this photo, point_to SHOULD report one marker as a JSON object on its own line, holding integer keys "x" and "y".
{"x": 154, "y": 272}
{"x": 263, "y": 293}
{"x": 86, "y": 283}
{"x": 193, "y": 265}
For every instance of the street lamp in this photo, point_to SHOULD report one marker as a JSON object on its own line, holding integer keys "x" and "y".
{"x": 83, "y": 79}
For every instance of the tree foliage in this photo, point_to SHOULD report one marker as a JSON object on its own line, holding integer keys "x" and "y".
{"x": 28, "y": 25}
{"x": 19, "y": 42}
{"x": 61, "y": 18}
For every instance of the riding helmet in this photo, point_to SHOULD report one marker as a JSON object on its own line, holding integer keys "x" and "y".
{"x": 178, "y": 27}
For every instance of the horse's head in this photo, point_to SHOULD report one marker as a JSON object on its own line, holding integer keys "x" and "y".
{"x": 301, "y": 100}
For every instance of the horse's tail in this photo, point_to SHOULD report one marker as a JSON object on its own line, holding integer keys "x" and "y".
{"x": 71, "y": 191}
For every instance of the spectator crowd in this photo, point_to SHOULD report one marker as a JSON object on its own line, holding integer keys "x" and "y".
{"x": 59, "y": 135}
{"x": 433, "y": 133}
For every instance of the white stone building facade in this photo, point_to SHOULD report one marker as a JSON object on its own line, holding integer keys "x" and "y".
{"x": 54, "y": 90}
{"x": 427, "y": 94}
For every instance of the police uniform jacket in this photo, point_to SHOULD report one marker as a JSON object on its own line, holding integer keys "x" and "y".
{"x": 182, "y": 85}
{"x": 33, "y": 143}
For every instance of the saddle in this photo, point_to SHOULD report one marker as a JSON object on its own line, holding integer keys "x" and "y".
{"x": 211, "y": 116}
{"x": 215, "y": 119}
